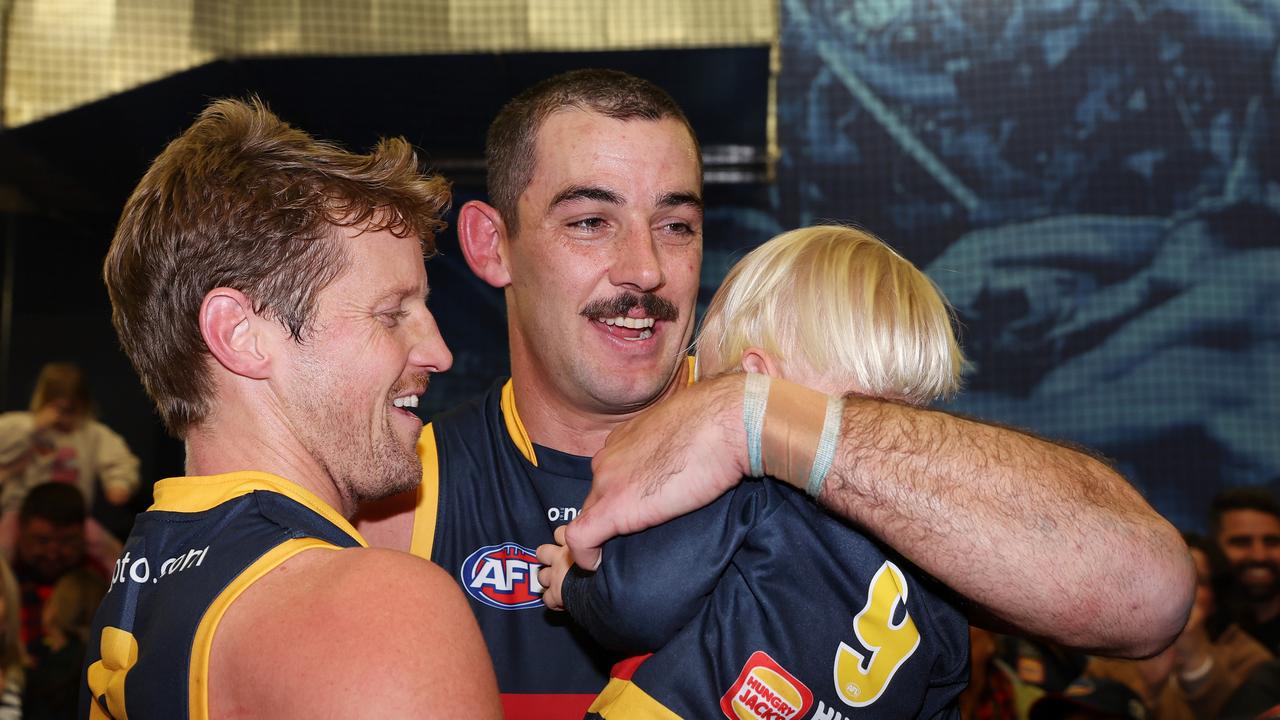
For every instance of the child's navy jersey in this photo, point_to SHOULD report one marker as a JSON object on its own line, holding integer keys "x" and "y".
{"x": 188, "y": 558}
{"x": 489, "y": 498}
{"x": 761, "y": 605}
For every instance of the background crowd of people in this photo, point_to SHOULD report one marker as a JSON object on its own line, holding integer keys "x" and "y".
{"x": 54, "y": 460}
{"x": 1223, "y": 664}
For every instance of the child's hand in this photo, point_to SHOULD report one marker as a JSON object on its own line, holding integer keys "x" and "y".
{"x": 556, "y": 561}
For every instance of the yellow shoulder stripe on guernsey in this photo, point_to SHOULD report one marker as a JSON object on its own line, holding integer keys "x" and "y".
{"x": 624, "y": 699}
{"x": 514, "y": 426}
{"x": 198, "y": 693}
{"x": 197, "y": 494}
{"x": 425, "y": 511}
{"x": 427, "y": 507}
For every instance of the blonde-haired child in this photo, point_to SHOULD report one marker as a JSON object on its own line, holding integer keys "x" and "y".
{"x": 761, "y": 604}
{"x": 836, "y": 309}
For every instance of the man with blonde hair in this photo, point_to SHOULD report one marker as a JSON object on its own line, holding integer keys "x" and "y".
{"x": 747, "y": 600}
{"x": 271, "y": 292}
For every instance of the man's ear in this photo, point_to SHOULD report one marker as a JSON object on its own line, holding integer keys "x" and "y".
{"x": 233, "y": 333}
{"x": 758, "y": 360}
{"x": 482, "y": 235}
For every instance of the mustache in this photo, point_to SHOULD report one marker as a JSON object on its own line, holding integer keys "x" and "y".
{"x": 413, "y": 382}
{"x": 656, "y": 307}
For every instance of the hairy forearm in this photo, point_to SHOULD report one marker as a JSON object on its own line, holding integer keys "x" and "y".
{"x": 1042, "y": 536}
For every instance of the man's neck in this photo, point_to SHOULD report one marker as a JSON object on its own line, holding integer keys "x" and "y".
{"x": 253, "y": 442}
{"x": 554, "y": 421}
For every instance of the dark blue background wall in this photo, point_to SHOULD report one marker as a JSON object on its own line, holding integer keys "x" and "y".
{"x": 1096, "y": 187}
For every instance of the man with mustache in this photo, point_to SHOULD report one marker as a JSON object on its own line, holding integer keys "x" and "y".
{"x": 1246, "y": 524}
{"x": 594, "y": 233}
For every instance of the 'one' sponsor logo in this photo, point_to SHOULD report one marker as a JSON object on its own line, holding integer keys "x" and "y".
{"x": 503, "y": 576}
{"x": 766, "y": 691}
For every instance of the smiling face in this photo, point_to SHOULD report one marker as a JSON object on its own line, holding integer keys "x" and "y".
{"x": 1251, "y": 541}
{"x": 350, "y": 386}
{"x": 604, "y": 270}
{"x": 50, "y": 549}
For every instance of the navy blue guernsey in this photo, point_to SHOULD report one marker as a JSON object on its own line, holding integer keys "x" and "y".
{"x": 188, "y": 558}
{"x": 761, "y": 605}
{"x": 489, "y": 498}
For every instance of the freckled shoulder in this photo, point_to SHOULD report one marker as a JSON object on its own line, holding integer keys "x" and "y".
{"x": 378, "y": 609}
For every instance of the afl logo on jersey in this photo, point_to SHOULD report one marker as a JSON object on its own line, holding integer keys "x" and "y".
{"x": 503, "y": 576}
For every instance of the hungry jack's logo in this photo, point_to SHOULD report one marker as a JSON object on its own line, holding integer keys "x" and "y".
{"x": 504, "y": 576}
{"x": 766, "y": 691}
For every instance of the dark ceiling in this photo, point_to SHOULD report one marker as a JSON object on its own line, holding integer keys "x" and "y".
{"x": 79, "y": 166}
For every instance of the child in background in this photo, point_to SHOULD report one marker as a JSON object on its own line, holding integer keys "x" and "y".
{"x": 761, "y": 604}
{"x": 59, "y": 440}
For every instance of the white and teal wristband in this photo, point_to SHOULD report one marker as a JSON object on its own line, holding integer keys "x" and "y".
{"x": 825, "y": 455}
{"x": 755, "y": 399}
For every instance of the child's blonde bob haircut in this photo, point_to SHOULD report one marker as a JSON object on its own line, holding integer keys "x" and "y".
{"x": 838, "y": 301}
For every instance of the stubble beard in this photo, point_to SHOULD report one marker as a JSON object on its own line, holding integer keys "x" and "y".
{"x": 627, "y": 398}
{"x": 1258, "y": 593}
{"x": 383, "y": 469}
{"x": 362, "y": 468}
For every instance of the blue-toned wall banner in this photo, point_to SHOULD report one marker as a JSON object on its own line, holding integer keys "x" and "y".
{"x": 1092, "y": 184}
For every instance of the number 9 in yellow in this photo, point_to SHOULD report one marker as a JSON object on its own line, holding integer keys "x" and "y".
{"x": 106, "y": 676}
{"x": 861, "y": 681}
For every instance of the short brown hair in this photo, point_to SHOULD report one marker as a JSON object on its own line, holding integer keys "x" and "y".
{"x": 509, "y": 146}
{"x": 244, "y": 200}
{"x": 1255, "y": 498}
{"x": 58, "y": 503}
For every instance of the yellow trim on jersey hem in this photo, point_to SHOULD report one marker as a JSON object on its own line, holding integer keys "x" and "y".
{"x": 201, "y": 647}
{"x": 426, "y": 510}
{"x": 197, "y": 494}
{"x": 515, "y": 427}
{"x": 623, "y": 699}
